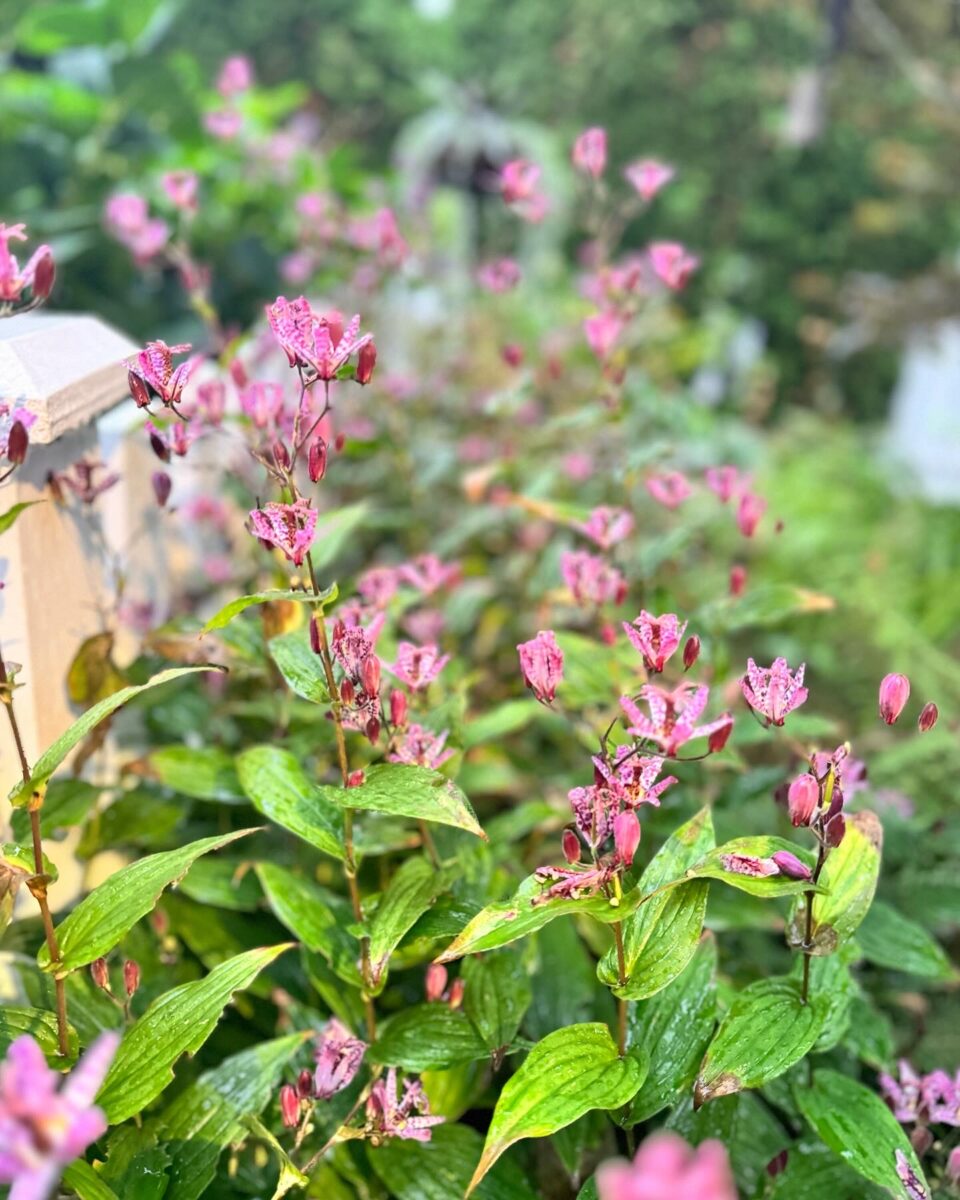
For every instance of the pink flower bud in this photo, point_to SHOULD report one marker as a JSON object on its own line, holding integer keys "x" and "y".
{"x": 305, "y": 1084}
{"x": 749, "y": 512}
{"x": 778, "y": 1164}
{"x": 100, "y": 973}
{"x": 373, "y": 731}
{"x": 289, "y": 1106}
{"x": 44, "y": 274}
{"x": 238, "y": 373}
{"x": 159, "y": 447}
{"x": 138, "y": 390}
{"x": 370, "y": 674}
{"x": 398, "y": 708}
{"x": 791, "y": 866}
{"x": 719, "y": 738}
{"x": 356, "y": 779}
{"x": 626, "y": 836}
{"x": 834, "y": 830}
{"x": 802, "y": 799}
{"x": 894, "y": 694}
{"x": 18, "y": 442}
{"x": 348, "y": 693}
{"x": 281, "y": 456}
{"x": 928, "y": 717}
{"x": 691, "y": 651}
{"x": 315, "y": 634}
{"x": 921, "y": 1139}
{"x": 541, "y": 664}
{"x": 366, "y": 361}
{"x": 738, "y": 579}
{"x": 317, "y": 459}
{"x": 590, "y": 151}
{"x": 162, "y": 486}
{"x": 512, "y": 354}
{"x": 571, "y": 847}
{"x": 457, "y": 988}
{"x": 436, "y": 982}
{"x": 339, "y": 442}
{"x": 953, "y": 1165}
{"x": 131, "y": 976}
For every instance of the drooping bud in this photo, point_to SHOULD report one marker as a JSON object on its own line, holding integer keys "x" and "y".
{"x": 571, "y": 846}
{"x": 691, "y": 651}
{"x": 238, "y": 373}
{"x": 162, "y": 486}
{"x": 791, "y": 866}
{"x": 373, "y": 731}
{"x": 348, "y": 692}
{"x": 159, "y": 447}
{"x": 315, "y": 634}
{"x": 626, "y": 836}
{"x": 738, "y": 579}
{"x": 138, "y": 390}
{"x": 131, "y": 976}
{"x": 339, "y": 442}
{"x": 778, "y": 1164}
{"x": 398, "y": 708}
{"x": 894, "y": 694}
{"x": 921, "y": 1139}
{"x": 44, "y": 274}
{"x": 305, "y": 1084}
{"x": 100, "y": 973}
{"x": 370, "y": 674}
{"x": 356, "y": 779}
{"x": 18, "y": 442}
{"x": 317, "y": 459}
{"x": 834, "y": 830}
{"x": 366, "y": 361}
{"x": 281, "y": 455}
{"x": 719, "y": 738}
{"x": 541, "y": 665}
{"x": 436, "y": 982}
{"x": 512, "y": 354}
{"x": 929, "y": 716}
{"x": 289, "y": 1106}
{"x": 802, "y": 799}
{"x": 457, "y": 988}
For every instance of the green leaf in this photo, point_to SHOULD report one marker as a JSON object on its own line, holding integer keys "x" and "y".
{"x": 850, "y": 878}
{"x": 890, "y": 939}
{"x": 815, "y": 1173}
{"x": 224, "y": 882}
{"x": 501, "y": 720}
{"x": 8, "y": 518}
{"x": 242, "y": 603}
{"x": 334, "y": 530}
{"x": 178, "y": 1022}
{"x": 317, "y": 917}
{"x": 762, "y": 607}
{"x": 51, "y": 758}
{"x": 203, "y": 773}
{"x": 428, "y": 1037}
{"x": 566, "y": 1075}
{"x": 673, "y": 1029}
{"x": 410, "y": 893}
{"x": 660, "y": 938}
{"x": 206, "y": 1118}
{"x": 299, "y": 666}
{"x": 81, "y": 1178}
{"x": 856, "y": 1124}
{"x": 766, "y": 1030}
{"x": 765, "y": 886}
{"x": 279, "y": 788}
{"x": 441, "y": 1168}
{"x": 498, "y": 994}
{"x": 65, "y": 805}
{"x": 42, "y": 1027}
{"x": 101, "y": 919}
{"x": 417, "y": 792}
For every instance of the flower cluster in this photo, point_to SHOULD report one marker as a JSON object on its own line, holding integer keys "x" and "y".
{"x": 666, "y": 1168}
{"x": 26, "y": 287}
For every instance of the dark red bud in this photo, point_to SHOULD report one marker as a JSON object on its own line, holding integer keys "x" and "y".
{"x": 348, "y": 693}
{"x": 305, "y": 1084}
{"x": 138, "y": 390}
{"x": 131, "y": 976}
{"x": 18, "y": 441}
{"x": 457, "y": 988}
{"x": 314, "y": 635}
{"x": 100, "y": 973}
{"x": 512, "y": 354}
{"x": 834, "y": 831}
{"x": 370, "y": 674}
{"x": 281, "y": 456}
{"x": 719, "y": 738}
{"x": 738, "y": 580}
{"x": 159, "y": 447}
{"x": 435, "y": 982}
{"x": 44, "y": 275}
{"x": 398, "y": 708}
{"x": 357, "y": 779}
{"x": 921, "y": 1139}
{"x": 929, "y": 716}
{"x": 778, "y": 1164}
{"x": 317, "y": 459}
{"x": 691, "y": 651}
{"x": 366, "y": 361}
{"x": 608, "y": 635}
{"x": 373, "y": 731}
{"x": 571, "y": 847}
{"x": 162, "y": 486}
{"x": 289, "y": 1106}
{"x": 339, "y": 442}
{"x": 238, "y": 373}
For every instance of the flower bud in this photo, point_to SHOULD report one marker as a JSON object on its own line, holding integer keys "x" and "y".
{"x": 281, "y": 455}
{"x": 131, "y": 976}
{"x": 339, "y": 442}
{"x": 953, "y": 1165}
{"x": 778, "y": 1164}
{"x": 366, "y": 361}
{"x": 921, "y": 1139}
{"x": 356, "y": 779}
{"x": 398, "y": 708}
{"x": 44, "y": 274}
{"x": 834, "y": 830}
{"x": 719, "y": 738}
{"x": 457, "y": 988}
{"x": 305, "y": 1084}
{"x": 238, "y": 373}
{"x": 162, "y": 486}
{"x": 791, "y": 866}
{"x": 738, "y": 579}
{"x": 100, "y": 973}
{"x": 928, "y": 717}
{"x": 608, "y": 634}
{"x": 571, "y": 847}
{"x": 138, "y": 390}
{"x": 802, "y": 799}
{"x": 317, "y": 459}
{"x": 370, "y": 674}
{"x": 894, "y": 694}
{"x": 691, "y": 651}
{"x": 373, "y": 731}
{"x": 348, "y": 693}
{"x": 626, "y": 836}
{"x": 436, "y": 982}
{"x": 315, "y": 634}
{"x": 289, "y": 1106}
{"x": 159, "y": 447}
{"x": 512, "y": 354}
{"x": 18, "y": 441}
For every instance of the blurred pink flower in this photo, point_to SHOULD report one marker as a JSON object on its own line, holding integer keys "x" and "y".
{"x": 380, "y": 233}
{"x": 518, "y": 183}
{"x": 648, "y": 176}
{"x": 541, "y": 664}
{"x": 673, "y": 264}
{"x": 656, "y": 638}
{"x": 591, "y": 579}
{"x": 420, "y": 747}
{"x": 669, "y": 489}
{"x": 607, "y": 526}
{"x": 602, "y": 330}
{"x": 262, "y": 403}
{"x": 236, "y": 75}
{"x": 500, "y": 275}
{"x": 418, "y": 666}
{"x": 338, "y": 1055}
{"x": 378, "y": 585}
{"x": 749, "y": 512}
{"x": 36, "y": 274}
{"x": 390, "y": 1114}
{"x": 11, "y": 415}
{"x": 725, "y": 482}
{"x": 181, "y": 188}
{"x": 289, "y": 527}
{"x": 773, "y": 692}
{"x": 428, "y": 574}
{"x": 176, "y": 438}
{"x": 578, "y": 466}
{"x": 223, "y": 123}
{"x": 589, "y": 153}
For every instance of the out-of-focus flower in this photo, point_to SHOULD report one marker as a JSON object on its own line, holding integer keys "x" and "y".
{"x": 909, "y": 1178}
{"x": 181, "y": 188}
{"x": 589, "y": 153}
{"x": 289, "y": 527}
{"x": 669, "y": 489}
{"x": 518, "y": 183}
{"x": 541, "y": 664}
{"x": 46, "y": 1122}
{"x": 421, "y": 747}
{"x": 428, "y": 574}
{"x": 738, "y": 579}
{"x": 392, "y": 1114}
{"x": 673, "y": 715}
{"x": 725, "y": 482}
{"x": 380, "y": 233}
{"x": 648, "y": 176}
{"x": 176, "y": 438}
{"x": 378, "y": 585}
{"x": 154, "y": 367}
{"x": 36, "y": 275}
{"x": 656, "y": 638}
{"x": 262, "y": 402}
{"x": 128, "y": 219}
{"x": 418, "y": 666}
{"x": 223, "y": 123}
{"x": 498, "y": 276}
{"x": 931, "y": 1099}
{"x": 929, "y": 715}
{"x": 673, "y": 264}
{"x": 607, "y": 526}
{"x": 338, "y": 1055}
{"x": 749, "y": 512}
{"x": 775, "y": 691}
{"x": 666, "y": 1168}
{"x": 82, "y": 480}
{"x": 236, "y": 75}
{"x": 591, "y": 579}
{"x": 602, "y": 330}
{"x": 162, "y": 486}
{"x": 894, "y": 694}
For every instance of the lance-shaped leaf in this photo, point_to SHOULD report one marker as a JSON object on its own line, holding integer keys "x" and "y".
{"x": 569, "y": 1073}
{"x": 178, "y": 1022}
{"x": 318, "y": 917}
{"x": 8, "y": 519}
{"x": 279, "y": 788}
{"x": 300, "y": 667}
{"x": 498, "y": 993}
{"x": 504, "y": 922}
{"x": 101, "y": 919}
{"x": 409, "y": 894}
{"x": 51, "y": 758}
{"x": 765, "y": 886}
{"x": 890, "y": 939}
{"x": 856, "y": 1124}
{"x": 211, "y": 1114}
{"x": 659, "y": 939}
{"x": 417, "y": 792}
{"x": 673, "y": 1028}
{"x": 201, "y": 772}
{"x": 41, "y": 1026}
{"x": 428, "y": 1037}
{"x": 242, "y": 603}
{"x": 849, "y": 878}
{"x": 82, "y": 1179}
{"x": 766, "y": 1030}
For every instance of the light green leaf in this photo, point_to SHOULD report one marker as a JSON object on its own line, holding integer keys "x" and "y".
{"x": 890, "y": 939}
{"x": 417, "y": 792}
{"x": 224, "y": 882}
{"x": 856, "y": 1124}
{"x": 178, "y": 1022}
{"x": 279, "y": 788}
{"x": 65, "y": 805}
{"x": 334, "y": 530}
{"x": 504, "y": 719}
{"x": 102, "y": 918}
{"x": 766, "y": 1030}
{"x": 242, "y": 603}
{"x": 81, "y": 1178}
{"x": 203, "y": 772}
{"x": 299, "y": 666}
{"x": 8, "y": 518}
{"x": 569, "y": 1073}
{"x": 765, "y": 886}
{"x": 318, "y": 917}
{"x": 411, "y": 891}
{"x": 428, "y": 1037}
{"x": 498, "y": 994}
{"x": 42, "y": 1027}
{"x": 51, "y": 758}
{"x": 762, "y": 607}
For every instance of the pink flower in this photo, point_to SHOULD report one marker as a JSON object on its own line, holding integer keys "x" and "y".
{"x": 83, "y": 482}
{"x": 128, "y": 219}
{"x": 589, "y": 153}
{"x": 352, "y": 648}
{"x": 626, "y": 783}
{"x": 672, "y": 263}
{"x": 578, "y": 466}
{"x": 592, "y": 580}
{"x": 223, "y": 123}
{"x": 725, "y": 482}
{"x": 380, "y": 233}
{"x": 46, "y": 1122}
{"x": 378, "y": 585}
{"x": 541, "y": 664}
{"x": 666, "y": 1168}
{"x": 181, "y": 188}
{"x": 500, "y": 275}
{"x": 573, "y": 882}
{"x": 750, "y": 510}
{"x": 746, "y": 864}
{"x": 648, "y": 176}
{"x": 154, "y": 367}
{"x": 908, "y": 1177}
{"x": 672, "y": 717}
{"x": 420, "y": 747}
{"x": 626, "y": 836}
{"x": 236, "y": 75}
{"x": 656, "y": 638}
{"x": 390, "y": 1114}
{"x": 773, "y": 692}
{"x": 602, "y": 330}
{"x": 37, "y": 274}
{"x": 338, "y": 1055}
{"x": 418, "y": 666}
{"x": 894, "y": 694}
{"x": 669, "y": 489}
{"x": 289, "y": 527}
{"x": 428, "y": 574}
{"x": 176, "y": 438}
{"x": 941, "y": 1098}
{"x": 320, "y": 344}
{"x": 607, "y": 526}
{"x": 262, "y": 403}
{"x": 902, "y": 1096}
{"x": 518, "y": 183}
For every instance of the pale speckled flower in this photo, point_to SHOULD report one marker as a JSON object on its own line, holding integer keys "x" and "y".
{"x": 725, "y": 482}
{"x": 541, "y": 664}
{"x": 338, "y": 1055}
{"x": 591, "y": 579}
{"x": 289, "y": 527}
{"x": 666, "y": 1168}
{"x": 418, "y": 666}
{"x": 406, "y": 1115}
{"x": 321, "y": 344}
{"x": 154, "y": 367}
{"x": 673, "y": 715}
{"x": 648, "y": 176}
{"x": 589, "y": 153}
{"x": 775, "y": 691}
{"x": 673, "y": 264}
{"x": 656, "y": 638}
{"x": 428, "y": 574}
{"x": 421, "y": 747}
{"x": 607, "y": 526}
{"x": 669, "y": 489}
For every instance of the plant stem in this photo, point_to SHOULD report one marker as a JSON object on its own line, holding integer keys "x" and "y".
{"x": 429, "y": 844}
{"x": 808, "y": 930}
{"x": 622, "y": 980}
{"x": 38, "y": 885}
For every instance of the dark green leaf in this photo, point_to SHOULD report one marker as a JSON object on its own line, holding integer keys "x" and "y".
{"x": 892, "y": 940}
{"x": 428, "y": 1037}
{"x": 279, "y": 788}
{"x": 410, "y": 892}
{"x": 497, "y": 995}
{"x": 765, "y": 886}
{"x": 81, "y": 1178}
{"x": 204, "y": 773}
{"x": 318, "y": 917}
{"x": 42, "y": 1027}
{"x": 417, "y": 792}
{"x": 299, "y": 666}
